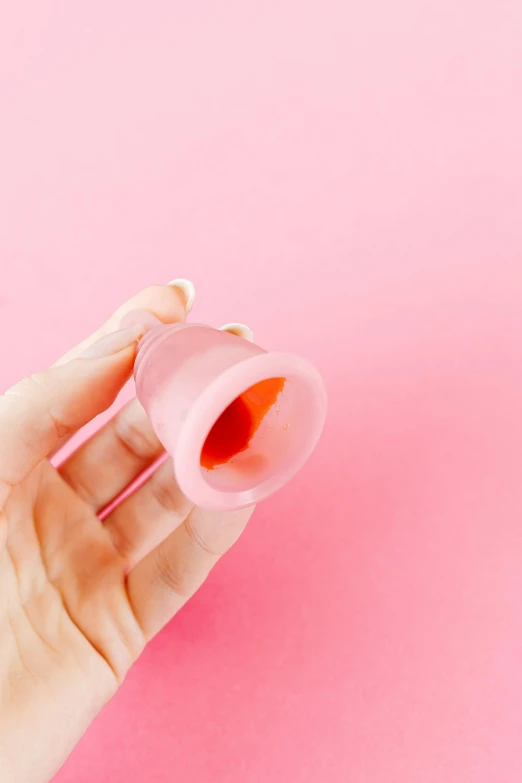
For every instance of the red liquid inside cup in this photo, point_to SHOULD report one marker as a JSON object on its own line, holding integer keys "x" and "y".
{"x": 237, "y": 425}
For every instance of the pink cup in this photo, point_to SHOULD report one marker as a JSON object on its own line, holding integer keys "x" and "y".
{"x": 188, "y": 375}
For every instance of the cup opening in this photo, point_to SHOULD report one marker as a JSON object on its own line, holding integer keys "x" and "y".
{"x": 234, "y": 429}
{"x": 257, "y": 436}
{"x": 250, "y": 431}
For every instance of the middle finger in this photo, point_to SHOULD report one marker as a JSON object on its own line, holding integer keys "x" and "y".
{"x": 146, "y": 517}
{"x": 104, "y": 466}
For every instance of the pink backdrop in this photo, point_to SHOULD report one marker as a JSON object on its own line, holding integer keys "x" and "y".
{"x": 346, "y": 178}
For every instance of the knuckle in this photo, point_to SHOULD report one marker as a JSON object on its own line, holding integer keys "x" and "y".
{"x": 34, "y": 389}
{"x": 62, "y": 428}
{"x": 27, "y": 388}
{"x": 169, "y": 575}
{"x": 122, "y": 541}
{"x": 166, "y": 492}
{"x": 199, "y": 542}
{"x": 83, "y": 487}
{"x": 136, "y": 437}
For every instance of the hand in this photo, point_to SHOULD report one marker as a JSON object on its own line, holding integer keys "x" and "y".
{"x": 80, "y": 598}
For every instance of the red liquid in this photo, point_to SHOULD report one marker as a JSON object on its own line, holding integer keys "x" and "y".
{"x": 237, "y": 425}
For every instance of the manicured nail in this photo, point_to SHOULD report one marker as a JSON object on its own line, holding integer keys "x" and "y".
{"x": 115, "y": 342}
{"x": 240, "y": 330}
{"x": 188, "y": 290}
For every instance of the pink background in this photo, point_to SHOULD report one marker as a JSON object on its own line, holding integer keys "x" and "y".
{"x": 347, "y": 179}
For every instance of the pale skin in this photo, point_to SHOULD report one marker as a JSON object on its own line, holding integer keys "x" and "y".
{"x": 80, "y": 598}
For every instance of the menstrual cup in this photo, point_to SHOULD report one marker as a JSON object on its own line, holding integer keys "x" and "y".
{"x": 238, "y": 421}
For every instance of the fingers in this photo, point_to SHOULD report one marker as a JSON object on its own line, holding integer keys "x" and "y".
{"x": 169, "y": 575}
{"x": 240, "y": 330}
{"x": 37, "y": 412}
{"x": 103, "y": 467}
{"x": 147, "y": 517}
{"x": 169, "y": 303}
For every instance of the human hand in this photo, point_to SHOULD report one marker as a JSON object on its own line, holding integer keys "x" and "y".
{"x": 80, "y": 598}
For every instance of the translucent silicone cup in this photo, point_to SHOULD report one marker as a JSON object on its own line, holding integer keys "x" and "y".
{"x": 188, "y": 374}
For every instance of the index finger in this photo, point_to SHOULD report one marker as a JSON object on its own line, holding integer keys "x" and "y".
{"x": 169, "y": 303}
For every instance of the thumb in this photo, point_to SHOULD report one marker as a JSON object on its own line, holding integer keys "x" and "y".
{"x": 40, "y": 410}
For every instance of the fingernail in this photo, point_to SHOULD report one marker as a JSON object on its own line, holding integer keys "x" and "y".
{"x": 188, "y": 290}
{"x": 240, "y": 330}
{"x": 115, "y": 342}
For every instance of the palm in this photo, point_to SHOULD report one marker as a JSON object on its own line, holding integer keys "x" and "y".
{"x": 65, "y": 589}
{"x": 79, "y": 598}
{"x": 61, "y": 658}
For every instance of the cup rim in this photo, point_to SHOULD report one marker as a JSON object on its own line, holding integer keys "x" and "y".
{"x": 205, "y": 410}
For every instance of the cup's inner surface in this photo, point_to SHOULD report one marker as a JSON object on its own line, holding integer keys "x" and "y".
{"x": 235, "y": 428}
{"x": 260, "y": 435}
